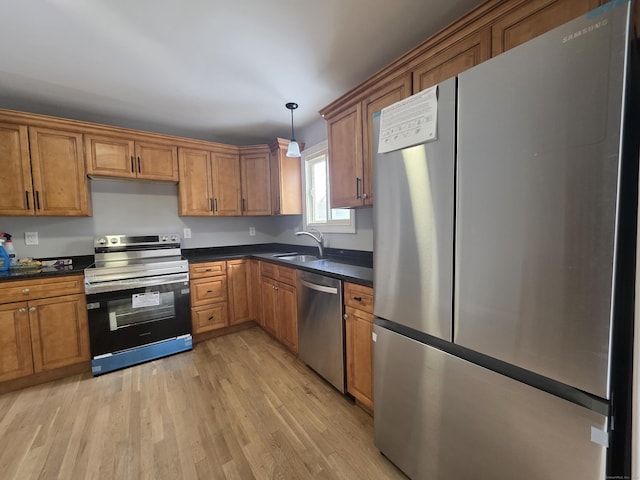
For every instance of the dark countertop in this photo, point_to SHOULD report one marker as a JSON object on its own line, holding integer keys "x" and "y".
{"x": 350, "y": 265}
{"x": 79, "y": 263}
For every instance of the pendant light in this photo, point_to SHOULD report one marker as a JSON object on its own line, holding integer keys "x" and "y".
{"x": 294, "y": 148}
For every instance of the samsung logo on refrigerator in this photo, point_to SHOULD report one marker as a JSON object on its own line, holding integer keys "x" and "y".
{"x": 585, "y": 30}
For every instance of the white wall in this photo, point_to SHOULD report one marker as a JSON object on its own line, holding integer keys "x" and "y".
{"x": 121, "y": 206}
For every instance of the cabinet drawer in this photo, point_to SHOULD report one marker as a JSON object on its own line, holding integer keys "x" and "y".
{"x": 209, "y": 317}
{"x": 269, "y": 270}
{"x": 208, "y": 290}
{"x": 287, "y": 275}
{"x": 358, "y": 297}
{"x": 41, "y": 288}
{"x": 207, "y": 269}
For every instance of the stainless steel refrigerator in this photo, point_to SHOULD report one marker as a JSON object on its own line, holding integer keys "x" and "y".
{"x": 503, "y": 266}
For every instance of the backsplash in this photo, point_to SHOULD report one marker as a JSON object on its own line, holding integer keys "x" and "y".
{"x": 121, "y": 206}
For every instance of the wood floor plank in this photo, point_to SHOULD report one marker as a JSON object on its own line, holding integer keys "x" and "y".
{"x": 237, "y": 407}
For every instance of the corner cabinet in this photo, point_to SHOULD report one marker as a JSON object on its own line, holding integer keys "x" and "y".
{"x": 125, "y": 158}
{"x": 351, "y": 150}
{"x": 209, "y": 183}
{"x": 43, "y": 172}
{"x": 256, "y": 184}
{"x": 43, "y": 326}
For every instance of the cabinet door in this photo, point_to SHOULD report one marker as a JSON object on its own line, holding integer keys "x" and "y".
{"x": 387, "y": 95}
{"x": 15, "y": 175}
{"x": 59, "y": 332}
{"x": 286, "y": 181}
{"x": 156, "y": 161}
{"x": 238, "y": 276}
{"x": 345, "y": 157}
{"x": 226, "y": 185}
{"x": 112, "y": 157}
{"x": 268, "y": 294}
{"x": 451, "y": 58}
{"x": 194, "y": 190}
{"x": 287, "y": 316}
{"x": 15, "y": 339}
{"x": 59, "y": 179}
{"x": 358, "y": 331}
{"x": 256, "y": 188}
{"x": 534, "y": 18}
{"x": 208, "y": 290}
{"x": 209, "y": 317}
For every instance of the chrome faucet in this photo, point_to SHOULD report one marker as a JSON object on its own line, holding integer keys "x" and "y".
{"x": 318, "y": 238}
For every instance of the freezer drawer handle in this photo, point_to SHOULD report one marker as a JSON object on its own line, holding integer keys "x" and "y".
{"x": 320, "y": 288}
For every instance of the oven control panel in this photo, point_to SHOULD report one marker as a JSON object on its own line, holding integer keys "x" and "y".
{"x": 136, "y": 240}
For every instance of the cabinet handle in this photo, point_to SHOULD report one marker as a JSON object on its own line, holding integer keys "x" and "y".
{"x": 207, "y": 269}
{"x": 365, "y": 196}
{"x": 139, "y": 169}
{"x": 25, "y": 290}
{"x": 357, "y": 299}
{"x": 26, "y": 196}
{"x": 22, "y": 310}
{"x": 211, "y": 318}
{"x": 345, "y": 316}
{"x": 277, "y": 203}
{"x": 357, "y": 187}
{"x": 211, "y": 204}
{"x": 32, "y": 309}
{"x": 37, "y": 200}
{"x": 209, "y": 291}
{"x": 133, "y": 164}
{"x": 243, "y": 209}
{"x": 215, "y": 204}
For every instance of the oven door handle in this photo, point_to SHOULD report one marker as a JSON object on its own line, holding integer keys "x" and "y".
{"x": 130, "y": 284}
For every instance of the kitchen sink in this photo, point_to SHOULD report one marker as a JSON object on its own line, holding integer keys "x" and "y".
{"x": 297, "y": 257}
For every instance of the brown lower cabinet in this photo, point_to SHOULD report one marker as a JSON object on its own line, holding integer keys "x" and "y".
{"x": 209, "y": 307}
{"x": 280, "y": 304}
{"x": 358, "y": 317}
{"x": 238, "y": 286}
{"x": 45, "y": 331}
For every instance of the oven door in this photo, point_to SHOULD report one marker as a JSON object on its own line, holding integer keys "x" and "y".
{"x": 137, "y": 316}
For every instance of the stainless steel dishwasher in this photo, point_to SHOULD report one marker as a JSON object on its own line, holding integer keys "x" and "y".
{"x": 320, "y": 326}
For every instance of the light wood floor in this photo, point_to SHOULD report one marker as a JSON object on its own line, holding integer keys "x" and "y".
{"x": 236, "y": 407}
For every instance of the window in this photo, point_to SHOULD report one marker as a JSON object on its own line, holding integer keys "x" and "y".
{"x": 316, "y": 211}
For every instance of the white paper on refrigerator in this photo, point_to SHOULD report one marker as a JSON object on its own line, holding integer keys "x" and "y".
{"x": 409, "y": 122}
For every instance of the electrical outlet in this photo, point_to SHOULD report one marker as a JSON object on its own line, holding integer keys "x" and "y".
{"x": 252, "y": 231}
{"x": 31, "y": 238}
{"x": 187, "y": 233}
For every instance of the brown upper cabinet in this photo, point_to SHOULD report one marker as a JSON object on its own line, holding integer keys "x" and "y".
{"x": 125, "y": 158}
{"x": 351, "y": 152}
{"x": 451, "y": 58}
{"x": 256, "y": 180}
{"x": 533, "y": 18}
{"x": 488, "y": 30}
{"x": 286, "y": 180}
{"x": 43, "y": 172}
{"x": 209, "y": 183}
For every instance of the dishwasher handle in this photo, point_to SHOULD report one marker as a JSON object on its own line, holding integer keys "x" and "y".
{"x": 320, "y": 288}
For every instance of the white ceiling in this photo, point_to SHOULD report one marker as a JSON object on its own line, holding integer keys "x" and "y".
{"x": 215, "y": 70}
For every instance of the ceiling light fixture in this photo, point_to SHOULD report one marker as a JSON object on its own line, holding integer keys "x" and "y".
{"x": 294, "y": 148}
